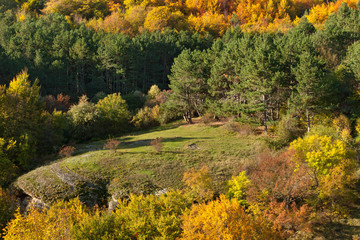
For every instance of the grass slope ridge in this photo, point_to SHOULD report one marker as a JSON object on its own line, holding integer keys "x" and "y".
{"x": 95, "y": 174}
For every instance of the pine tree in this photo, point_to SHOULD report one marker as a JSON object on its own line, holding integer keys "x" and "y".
{"x": 188, "y": 82}
{"x": 311, "y": 84}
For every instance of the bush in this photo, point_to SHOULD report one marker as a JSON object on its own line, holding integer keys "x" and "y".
{"x": 169, "y": 110}
{"x": 242, "y": 129}
{"x": 135, "y": 100}
{"x": 151, "y": 217}
{"x": 147, "y": 117}
{"x": 277, "y": 176}
{"x": 277, "y": 184}
{"x": 200, "y": 183}
{"x": 207, "y": 118}
{"x": 151, "y": 98}
{"x": 61, "y": 103}
{"x": 84, "y": 118}
{"x": 237, "y": 187}
{"x": 225, "y": 219}
{"x": 342, "y": 126}
{"x": 114, "y": 114}
{"x": 55, "y": 223}
{"x": 112, "y": 144}
{"x": 94, "y": 227}
{"x": 157, "y": 144}
{"x": 66, "y": 151}
{"x": 288, "y": 129}
{"x": 57, "y": 131}
{"x": 331, "y": 167}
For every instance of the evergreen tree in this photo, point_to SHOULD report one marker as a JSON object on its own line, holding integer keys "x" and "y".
{"x": 188, "y": 82}
{"x": 311, "y": 85}
{"x": 261, "y": 77}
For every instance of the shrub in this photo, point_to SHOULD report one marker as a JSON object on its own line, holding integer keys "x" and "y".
{"x": 57, "y": 131}
{"x": 55, "y": 223}
{"x": 112, "y": 144}
{"x": 225, "y": 219}
{"x": 207, "y": 118}
{"x": 97, "y": 226}
{"x": 278, "y": 177}
{"x": 169, "y": 110}
{"x": 342, "y": 125}
{"x": 66, "y": 151}
{"x": 277, "y": 184}
{"x": 151, "y": 217}
{"x": 324, "y": 130}
{"x": 357, "y": 126}
{"x": 289, "y": 218}
{"x": 152, "y": 96}
{"x": 242, "y": 129}
{"x": 321, "y": 153}
{"x": 288, "y": 129}
{"x": 84, "y": 118}
{"x": 332, "y": 168}
{"x": 147, "y": 117}
{"x": 135, "y": 100}
{"x": 237, "y": 187}
{"x": 200, "y": 183}
{"x": 61, "y": 103}
{"x": 114, "y": 114}
{"x": 157, "y": 144}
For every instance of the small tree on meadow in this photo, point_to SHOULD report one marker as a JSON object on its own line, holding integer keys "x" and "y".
{"x": 157, "y": 144}
{"x": 112, "y": 144}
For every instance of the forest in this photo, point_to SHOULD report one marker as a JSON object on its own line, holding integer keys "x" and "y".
{"x": 188, "y": 119}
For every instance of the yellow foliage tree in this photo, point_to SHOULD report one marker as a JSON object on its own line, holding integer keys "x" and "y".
{"x": 225, "y": 219}
{"x": 55, "y": 223}
{"x": 212, "y": 23}
{"x": 318, "y": 14}
{"x": 200, "y": 183}
{"x": 321, "y": 153}
{"x": 85, "y": 8}
{"x": 331, "y": 166}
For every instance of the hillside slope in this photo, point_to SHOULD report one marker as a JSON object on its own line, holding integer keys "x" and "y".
{"x": 97, "y": 175}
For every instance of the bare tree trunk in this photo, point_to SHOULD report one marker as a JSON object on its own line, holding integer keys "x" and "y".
{"x": 308, "y": 120}
{"x": 189, "y": 118}
{"x": 265, "y": 115}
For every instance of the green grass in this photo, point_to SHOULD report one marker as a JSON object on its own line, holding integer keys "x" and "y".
{"x": 137, "y": 167}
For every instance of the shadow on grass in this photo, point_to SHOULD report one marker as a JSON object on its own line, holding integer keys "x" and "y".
{"x": 157, "y": 129}
{"x": 147, "y": 142}
{"x": 337, "y": 230}
{"x": 348, "y": 228}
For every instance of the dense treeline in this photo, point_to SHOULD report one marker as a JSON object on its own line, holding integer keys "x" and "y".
{"x": 264, "y": 77}
{"x": 78, "y": 61}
